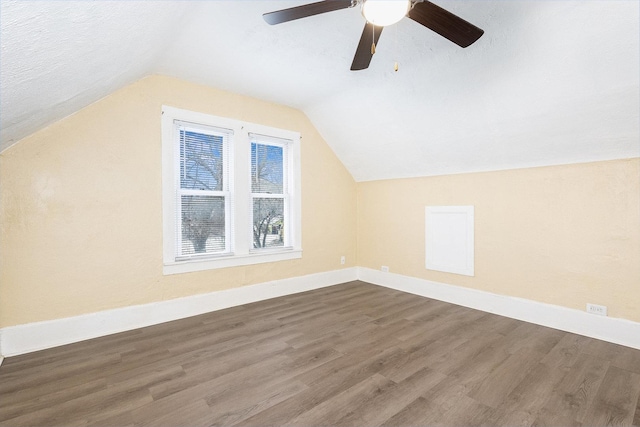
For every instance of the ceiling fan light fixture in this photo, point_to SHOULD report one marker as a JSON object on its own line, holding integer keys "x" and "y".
{"x": 425, "y": 13}
{"x": 385, "y": 12}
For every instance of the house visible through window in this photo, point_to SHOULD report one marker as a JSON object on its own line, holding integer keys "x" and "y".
{"x": 231, "y": 192}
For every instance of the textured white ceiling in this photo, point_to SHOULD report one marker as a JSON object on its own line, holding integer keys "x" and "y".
{"x": 59, "y": 56}
{"x": 550, "y": 82}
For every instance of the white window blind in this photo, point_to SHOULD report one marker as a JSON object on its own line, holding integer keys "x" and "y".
{"x": 203, "y": 200}
{"x": 270, "y": 192}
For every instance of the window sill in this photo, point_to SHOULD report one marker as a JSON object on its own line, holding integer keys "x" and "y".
{"x": 229, "y": 261}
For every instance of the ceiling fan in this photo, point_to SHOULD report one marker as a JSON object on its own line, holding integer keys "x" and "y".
{"x": 380, "y": 13}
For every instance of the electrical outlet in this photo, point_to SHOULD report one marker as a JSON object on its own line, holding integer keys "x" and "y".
{"x": 600, "y": 310}
{"x": 343, "y": 259}
{"x": 385, "y": 269}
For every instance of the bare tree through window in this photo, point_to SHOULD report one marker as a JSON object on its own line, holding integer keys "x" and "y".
{"x": 202, "y": 210}
{"x": 268, "y": 193}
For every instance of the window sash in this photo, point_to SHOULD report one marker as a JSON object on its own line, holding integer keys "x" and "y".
{"x": 180, "y": 129}
{"x": 285, "y": 196}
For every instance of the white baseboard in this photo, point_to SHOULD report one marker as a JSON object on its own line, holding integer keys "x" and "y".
{"x": 611, "y": 329}
{"x": 20, "y": 339}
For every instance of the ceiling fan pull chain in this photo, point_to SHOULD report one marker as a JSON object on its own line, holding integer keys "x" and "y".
{"x": 395, "y": 42}
{"x": 373, "y": 39}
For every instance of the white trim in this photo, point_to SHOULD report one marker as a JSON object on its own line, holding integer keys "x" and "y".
{"x": 230, "y": 261}
{"x": 20, "y": 339}
{"x": 611, "y": 329}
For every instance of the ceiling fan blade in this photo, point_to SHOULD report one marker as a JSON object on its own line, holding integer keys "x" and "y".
{"x": 285, "y": 15}
{"x": 445, "y": 23}
{"x": 362, "y": 58}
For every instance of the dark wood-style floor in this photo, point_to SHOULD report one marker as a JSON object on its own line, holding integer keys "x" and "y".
{"x": 349, "y": 355}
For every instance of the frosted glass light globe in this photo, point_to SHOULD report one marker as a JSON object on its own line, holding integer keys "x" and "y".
{"x": 385, "y": 12}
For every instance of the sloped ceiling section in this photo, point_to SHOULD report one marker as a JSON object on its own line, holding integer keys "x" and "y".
{"x": 59, "y": 56}
{"x": 550, "y": 82}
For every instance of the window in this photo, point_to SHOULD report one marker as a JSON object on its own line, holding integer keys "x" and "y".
{"x": 231, "y": 192}
{"x": 203, "y": 198}
{"x": 269, "y": 192}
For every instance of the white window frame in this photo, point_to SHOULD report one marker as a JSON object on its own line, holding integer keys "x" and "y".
{"x": 241, "y": 239}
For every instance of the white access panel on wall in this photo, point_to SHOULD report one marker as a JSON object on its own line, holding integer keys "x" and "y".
{"x": 449, "y": 239}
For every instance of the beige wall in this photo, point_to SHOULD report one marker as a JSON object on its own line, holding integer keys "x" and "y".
{"x": 563, "y": 235}
{"x": 80, "y": 213}
{"x": 81, "y": 225}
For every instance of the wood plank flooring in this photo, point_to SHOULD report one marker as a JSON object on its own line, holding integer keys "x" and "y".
{"x": 348, "y": 355}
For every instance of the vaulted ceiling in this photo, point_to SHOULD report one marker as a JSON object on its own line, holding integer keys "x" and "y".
{"x": 550, "y": 82}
